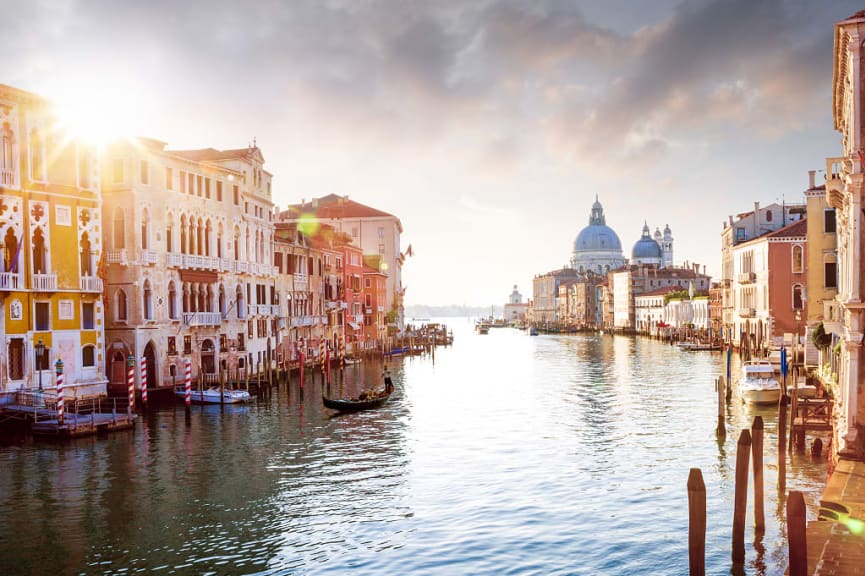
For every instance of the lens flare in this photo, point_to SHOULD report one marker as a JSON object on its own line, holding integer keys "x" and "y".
{"x": 308, "y": 224}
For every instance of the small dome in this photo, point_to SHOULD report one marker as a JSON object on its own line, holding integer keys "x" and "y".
{"x": 646, "y": 248}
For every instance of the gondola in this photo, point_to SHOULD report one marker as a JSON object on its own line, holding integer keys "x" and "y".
{"x": 367, "y": 400}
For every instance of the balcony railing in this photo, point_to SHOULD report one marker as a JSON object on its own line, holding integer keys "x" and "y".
{"x": 226, "y": 264}
{"x": 202, "y": 318}
{"x": 91, "y": 284}
{"x": 118, "y": 257}
{"x": 747, "y": 312}
{"x": 242, "y": 267}
{"x": 148, "y": 257}
{"x": 10, "y": 281}
{"x": 274, "y": 309}
{"x": 301, "y": 282}
{"x": 45, "y": 282}
{"x": 174, "y": 260}
{"x": 746, "y": 277}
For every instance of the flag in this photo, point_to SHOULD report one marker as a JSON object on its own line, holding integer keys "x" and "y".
{"x": 408, "y": 251}
{"x": 861, "y": 159}
{"x": 784, "y": 368}
{"x": 13, "y": 266}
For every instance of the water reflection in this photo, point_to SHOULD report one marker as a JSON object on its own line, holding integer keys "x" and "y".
{"x": 553, "y": 455}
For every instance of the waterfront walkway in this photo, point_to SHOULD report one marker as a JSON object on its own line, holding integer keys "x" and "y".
{"x": 836, "y": 546}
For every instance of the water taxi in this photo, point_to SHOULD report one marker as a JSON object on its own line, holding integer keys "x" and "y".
{"x": 758, "y": 384}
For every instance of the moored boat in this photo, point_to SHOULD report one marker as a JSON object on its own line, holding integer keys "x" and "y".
{"x": 212, "y": 396}
{"x": 364, "y": 401}
{"x": 758, "y": 384}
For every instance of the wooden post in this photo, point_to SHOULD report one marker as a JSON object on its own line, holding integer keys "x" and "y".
{"x": 743, "y": 455}
{"x": 721, "y": 385}
{"x": 757, "y": 453}
{"x": 797, "y": 543}
{"x": 221, "y": 389}
{"x": 794, "y": 410}
{"x": 696, "y": 523}
{"x": 782, "y": 445}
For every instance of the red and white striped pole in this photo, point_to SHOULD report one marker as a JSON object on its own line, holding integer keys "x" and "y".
{"x": 327, "y": 361}
{"x": 300, "y": 355}
{"x": 130, "y": 380}
{"x": 321, "y": 353}
{"x": 188, "y": 383}
{"x": 144, "y": 381}
{"x": 60, "y": 402}
{"x": 342, "y": 352}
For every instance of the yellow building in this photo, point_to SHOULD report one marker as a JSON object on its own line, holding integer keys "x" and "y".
{"x": 50, "y": 247}
{"x": 822, "y": 258}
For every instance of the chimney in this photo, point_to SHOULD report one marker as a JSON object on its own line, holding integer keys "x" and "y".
{"x": 811, "y": 179}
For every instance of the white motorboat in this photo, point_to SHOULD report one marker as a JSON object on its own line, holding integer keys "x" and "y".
{"x": 211, "y": 395}
{"x": 758, "y": 384}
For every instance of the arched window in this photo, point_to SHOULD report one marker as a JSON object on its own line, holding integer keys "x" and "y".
{"x": 236, "y": 243}
{"x": 145, "y": 229}
{"x": 7, "y": 160}
{"x": 172, "y": 300}
{"x": 768, "y": 215}
{"x": 39, "y": 263}
{"x": 119, "y": 229}
{"x": 199, "y": 238}
{"x": 219, "y": 241}
{"x": 121, "y": 306}
{"x": 169, "y": 235}
{"x": 797, "y": 259}
{"x": 148, "y": 301}
{"x": 183, "y": 235}
{"x": 222, "y": 300}
{"x": 797, "y": 297}
{"x": 241, "y": 308}
{"x": 208, "y": 234}
{"x": 88, "y": 356}
{"x": 86, "y": 264}
{"x": 37, "y": 156}
{"x": 186, "y": 298}
{"x": 11, "y": 254}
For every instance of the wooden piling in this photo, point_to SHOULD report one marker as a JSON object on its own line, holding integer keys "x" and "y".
{"x": 743, "y": 456}
{"x": 696, "y": 523}
{"x": 794, "y": 409}
{"x": 782, "y": 445}
{"x": 797, "y": 544}
{"x": 757, "y": 453}
{"x": 221, "y": 389}
{"x": 721, "y": 385}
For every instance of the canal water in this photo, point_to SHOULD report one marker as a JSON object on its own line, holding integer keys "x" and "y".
{"x": 507, "y": 454}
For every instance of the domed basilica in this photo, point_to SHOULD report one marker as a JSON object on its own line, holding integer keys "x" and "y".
{"x": 598, "y": 249}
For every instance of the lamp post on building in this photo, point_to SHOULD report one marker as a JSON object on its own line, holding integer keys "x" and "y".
{"x": 40, "y": 356}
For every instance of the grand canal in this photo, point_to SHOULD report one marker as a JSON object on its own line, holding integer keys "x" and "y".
{"x": 508, "y": 454}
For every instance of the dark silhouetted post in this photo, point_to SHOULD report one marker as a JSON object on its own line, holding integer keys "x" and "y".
{"x": 721, "y": 430}
{"x": 796, "y": 541}
{"x": 696, "y": 523}
{"x": 757, "y": 452}
{"x": 782, "y": 445}
{"x": 743, "y": 455}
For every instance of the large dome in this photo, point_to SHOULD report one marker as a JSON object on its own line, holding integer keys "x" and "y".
{"x": 597, "y": 247}
{"x": 596, "y": 237}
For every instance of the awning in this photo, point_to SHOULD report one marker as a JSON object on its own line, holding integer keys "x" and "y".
{"x": 354, "y": 326}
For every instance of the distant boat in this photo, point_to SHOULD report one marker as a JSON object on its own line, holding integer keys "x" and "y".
{"x": 365, "y": 400}
{"x": 211, "y": 395}
{"x": 533, "y": 331}
{"x": 482, "y": 327}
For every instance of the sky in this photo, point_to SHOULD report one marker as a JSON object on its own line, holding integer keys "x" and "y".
{"x": 488, "y": 127}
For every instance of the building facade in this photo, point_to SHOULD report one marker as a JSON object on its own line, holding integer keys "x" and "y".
{"x": 189, "y": 254}
{"x": 51, "y": 246}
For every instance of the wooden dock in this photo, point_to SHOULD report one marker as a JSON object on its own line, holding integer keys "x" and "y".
{"x": 82, "y": 417}
{"x": 812, "y": 414}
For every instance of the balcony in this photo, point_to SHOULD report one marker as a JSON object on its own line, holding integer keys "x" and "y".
{"x": 226, "y": 265}
{"x": 148, "y": 257}
{"x": 746, "y": 277}
{"x": 91, "y": 284}
{"x": 7, "y": 178}
{"x": 301, "y": 282}
{"x": 175, "y": 260}
{"x": 747, "y": 312}
{"x": 10, "y": 281}
{"x": 274, "y": 309}
{"x": 200, "y": 262}
{"x": 45, "y": 282}
{"x": 242, "y": 267}
{"x": 202, "y": 318}
{"x": 118, "y": 257}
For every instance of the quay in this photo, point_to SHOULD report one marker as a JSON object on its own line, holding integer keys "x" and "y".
{"x": 835, "y": 543}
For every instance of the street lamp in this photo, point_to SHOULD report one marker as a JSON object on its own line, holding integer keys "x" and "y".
{"x": 40, "y": 355}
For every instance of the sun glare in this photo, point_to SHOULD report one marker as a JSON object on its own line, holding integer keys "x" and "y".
{"x": 97, "y": 117}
